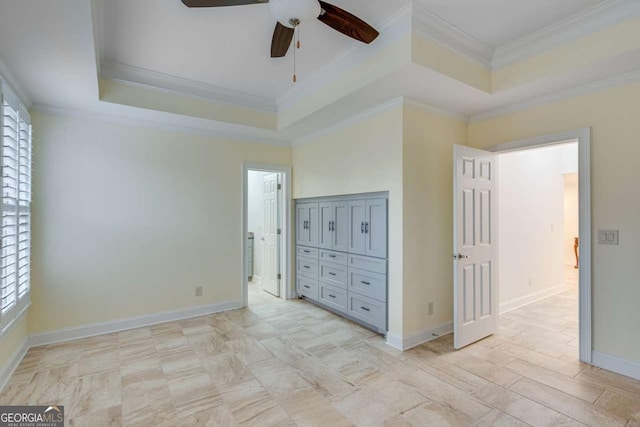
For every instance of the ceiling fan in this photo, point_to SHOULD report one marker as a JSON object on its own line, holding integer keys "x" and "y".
{"x": 292, "y": 13}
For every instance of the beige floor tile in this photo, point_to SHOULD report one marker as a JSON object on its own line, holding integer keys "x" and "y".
{"x": 251, "y": 404}
{"x": 110, "y": 417}
{"x": 289, "y": 363}
{"x": 497, "y": 418}
{"x": 566, "y": 404}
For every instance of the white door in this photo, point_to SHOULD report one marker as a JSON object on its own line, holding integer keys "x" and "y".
{"x": 271, "y": 248}
{"x": 474, "y": 245}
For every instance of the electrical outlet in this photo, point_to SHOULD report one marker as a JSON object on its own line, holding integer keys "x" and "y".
{"x": 198, "y": 291}
{"x": 608, "y": 237}
{"x": 430, "y": 309}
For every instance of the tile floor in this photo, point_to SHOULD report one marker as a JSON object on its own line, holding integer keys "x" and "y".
{"x": 288, "y": 363}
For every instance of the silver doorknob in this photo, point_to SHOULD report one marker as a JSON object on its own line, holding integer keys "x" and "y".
{"x": 460, "y": 256}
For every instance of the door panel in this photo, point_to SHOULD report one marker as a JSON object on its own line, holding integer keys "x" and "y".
{"x": 325, "y": 234}
{"x": 376, "y": 228}
{"x": 270, "y": 252}
{"x": 340, "y": 226}
{"x": 475, "y": 248}
{"x": 356, "y": 236}
{"x": 314, "y": 224}
{"x": 302, "y": 232}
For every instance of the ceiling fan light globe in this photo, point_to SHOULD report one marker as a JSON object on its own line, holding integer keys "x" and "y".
{"x": 286, "y": 10}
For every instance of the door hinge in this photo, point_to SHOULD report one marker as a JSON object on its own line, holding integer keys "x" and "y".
{"x": 279, "y": 230}
{"x": 279, "y": 186}
{"x": 279, "y": 276}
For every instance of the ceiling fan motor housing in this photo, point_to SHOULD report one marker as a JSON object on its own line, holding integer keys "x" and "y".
{"x": 290, "y": 12}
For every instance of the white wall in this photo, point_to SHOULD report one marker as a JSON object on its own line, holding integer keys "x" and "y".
{"x": 571, "y": 216}
{"x": 255, "y": 218}
{"x": 531, "y": 222}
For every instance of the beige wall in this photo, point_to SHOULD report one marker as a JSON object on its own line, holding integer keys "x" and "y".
{"x": 13, "y": 341}
{"x": 613, "y": 116}
{"x": 361, "y": 158}
{"x": 128, "y": 220}
{"x": 428, "y": 217}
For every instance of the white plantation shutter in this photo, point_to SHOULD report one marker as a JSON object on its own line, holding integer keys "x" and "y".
{"x": 16, "y": 205}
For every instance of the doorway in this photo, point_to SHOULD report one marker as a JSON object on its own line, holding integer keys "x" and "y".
{"x": 266, "y": 231}
{"x": 477, "y": 260}
{"x": 537, "y": 230}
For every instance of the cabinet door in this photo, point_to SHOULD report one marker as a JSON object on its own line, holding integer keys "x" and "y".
{"x": 314, "y": 224}
{"x": 376, "y": 228}
{"x": 302, "y": 219}
{"x": 356, "y": 236}
{"x": 340, "y": 226}
{"x": 325, "y": 232}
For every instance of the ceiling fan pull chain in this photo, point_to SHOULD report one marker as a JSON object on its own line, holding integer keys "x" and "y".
{"x": 295, "y": 78}
{"x": 298, "y": 43}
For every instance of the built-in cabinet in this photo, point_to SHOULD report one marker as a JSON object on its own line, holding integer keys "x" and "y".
{"x": 341, "y": 256}
{"x": 307, "y": 224}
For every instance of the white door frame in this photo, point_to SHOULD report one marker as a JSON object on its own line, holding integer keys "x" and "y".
{"x": 583, "y": 136}
{"x": 285, "y": 247}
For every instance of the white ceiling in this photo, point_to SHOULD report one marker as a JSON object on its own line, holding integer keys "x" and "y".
{"x": 50, "y": 48}
{"x": 498, "y": 22}
{"x": 224, "y": 46}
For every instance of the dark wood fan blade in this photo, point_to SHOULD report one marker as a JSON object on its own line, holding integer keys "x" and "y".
{"x": 218, "y": 3}
{"x": 281, "y": 40}
{"x": 348, "y": 24}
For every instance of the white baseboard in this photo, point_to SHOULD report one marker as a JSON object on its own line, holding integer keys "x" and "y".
{"x": 9, "y": 368}
{"x": 95, "y": 329}
{"x": 406, "y": 343}
{"x": 531, "y": 298}
{"x": 629, "y": 368}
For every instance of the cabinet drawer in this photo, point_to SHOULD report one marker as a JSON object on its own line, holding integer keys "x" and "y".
{"x": 372, "y": 285}
{"x": 368, "y": 310}
{"x": 307, "y": 266}
{"x": 307, "y": 287}
{"x": 335, "y": 257}
{"x": 366, "y": 263}
{"x": 333, "y": 274}
{"x": 333, "y": 297}
{"x": 307, "y": 252}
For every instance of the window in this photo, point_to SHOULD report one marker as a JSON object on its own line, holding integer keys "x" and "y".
{"x": 16, "y": 208}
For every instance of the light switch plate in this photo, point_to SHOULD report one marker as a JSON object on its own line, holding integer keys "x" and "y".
{"x": 608, "y": 237}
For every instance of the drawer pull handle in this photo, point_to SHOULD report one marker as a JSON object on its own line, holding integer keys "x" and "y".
{"x": 365, "y": 283}
{"x": 332, "y": 296}
{"x": 332, "y": 274}
{"x": 365, "y": 308}
{"x": 306, "y": 266}
{"x": 307, "y": 252}
{"x": 307, "y": 286}
{"x": 332, "y": 256}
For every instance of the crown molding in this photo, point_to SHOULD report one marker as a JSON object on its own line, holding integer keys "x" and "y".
{"x": 435, "y": 28}
{"x": 251, "y": 135}
{"x": 131, "y": 74}
{"x": 595, "y": 18}
{"x": 588, "y": 88}
{"x": 396, "y": 26}
{"x": 432, "y": 109}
